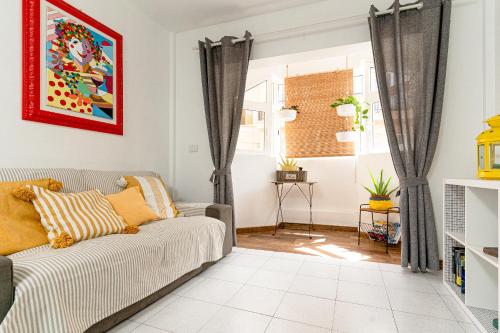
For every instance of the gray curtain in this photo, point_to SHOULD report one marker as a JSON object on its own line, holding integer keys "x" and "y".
{"x": 223, "y": 73}
{"x": 410, "y": 50}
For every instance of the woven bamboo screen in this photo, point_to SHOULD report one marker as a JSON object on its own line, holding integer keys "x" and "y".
{"x": 312, "y": 134}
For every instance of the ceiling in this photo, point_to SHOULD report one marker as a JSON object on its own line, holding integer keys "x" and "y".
{"x": 181, "y": 15}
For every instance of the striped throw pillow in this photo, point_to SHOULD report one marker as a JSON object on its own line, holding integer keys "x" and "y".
{"x": 72, "y": 217}
{"x": 155, "y": 193}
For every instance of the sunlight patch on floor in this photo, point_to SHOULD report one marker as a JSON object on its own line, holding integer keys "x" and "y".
{"x": 333, "y": 251}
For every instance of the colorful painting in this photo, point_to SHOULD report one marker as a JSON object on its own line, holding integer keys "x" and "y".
{"x": 78, "y": 80}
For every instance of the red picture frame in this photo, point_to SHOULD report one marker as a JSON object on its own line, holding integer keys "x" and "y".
{"x": 31, "y": 106}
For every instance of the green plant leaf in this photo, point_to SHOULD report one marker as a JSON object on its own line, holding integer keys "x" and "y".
{"x": 369, "y": 190}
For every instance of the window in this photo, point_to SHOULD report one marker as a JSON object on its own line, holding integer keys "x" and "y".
{"x": 358, "y": 83}
{"x": 257, "y": 93}
{"x": 373, "y": 80}
{"x": 252, "y": 135}
{"x": 378, "y": 138}
{"x": 256, "y": 116}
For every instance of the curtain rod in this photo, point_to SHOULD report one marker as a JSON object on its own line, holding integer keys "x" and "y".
{"x": 401, "y": 9}
{"x": 219, "y": 43}
{"x": 360, "y": 17}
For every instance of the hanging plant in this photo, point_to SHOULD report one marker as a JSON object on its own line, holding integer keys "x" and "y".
{"x": 360, "y": 112}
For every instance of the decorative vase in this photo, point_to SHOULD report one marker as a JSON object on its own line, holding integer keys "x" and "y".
{"x": 380, "y": 203}
{"x": 346, "y": 110}
{"x": 347, "y": 136}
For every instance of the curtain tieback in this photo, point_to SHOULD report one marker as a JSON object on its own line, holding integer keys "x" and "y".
{"x": 413, "y": 182}
{"x": 214, "y": 178}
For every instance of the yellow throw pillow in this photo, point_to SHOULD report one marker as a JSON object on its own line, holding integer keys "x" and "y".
{"x": 155, "y": 193}
{"x": 72, "y": 217}
{"x": 130, "y": 205}
{"x": 20, "y": 226}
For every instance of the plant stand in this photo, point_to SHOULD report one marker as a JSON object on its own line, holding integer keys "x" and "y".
{"x": 367, "y": 227}
{"x": 281, "y": 197}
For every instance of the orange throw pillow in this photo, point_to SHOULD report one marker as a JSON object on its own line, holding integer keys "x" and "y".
{"x": 132, "y": 207}
{"x": 20, "y": 225}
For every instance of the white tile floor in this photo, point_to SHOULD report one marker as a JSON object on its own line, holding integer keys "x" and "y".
{"x": 259, "y": 291}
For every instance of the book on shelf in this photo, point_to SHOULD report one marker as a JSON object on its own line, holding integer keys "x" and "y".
{"x": 459, "y": 267}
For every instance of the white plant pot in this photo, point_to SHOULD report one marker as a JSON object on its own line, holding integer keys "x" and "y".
{"x": 346, "y": 110}
{"x": 348, "y": 136}
{"x": 287, "y": 114}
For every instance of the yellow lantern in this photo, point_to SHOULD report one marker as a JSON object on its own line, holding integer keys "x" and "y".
{"x": 488, "y": 150}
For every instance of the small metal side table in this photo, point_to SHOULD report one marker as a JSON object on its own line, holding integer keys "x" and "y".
{"x": 281, "y": 197}
{"x": 387, "y": 212}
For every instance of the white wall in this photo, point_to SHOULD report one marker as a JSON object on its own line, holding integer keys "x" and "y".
{"x": 145, "y": 143}
{"x": 281, "y": 33}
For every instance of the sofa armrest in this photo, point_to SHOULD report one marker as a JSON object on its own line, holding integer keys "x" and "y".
{"x": 223, "y": 213}
{"x": 6, "y": 286}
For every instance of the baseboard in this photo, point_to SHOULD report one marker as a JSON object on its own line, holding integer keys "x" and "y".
{"x": 299, "y": 226}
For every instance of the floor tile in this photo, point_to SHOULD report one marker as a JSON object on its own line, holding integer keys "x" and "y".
{"x": 413, "y": 323}
{"x": 408, "y": 281}
{"x": 361, "y": 275}
{"x": 313, "y": 286}
{"x": 355, "y": 318}
{"x": 282, "y": 265}
{"x": 188, "y": 285}
{"x": 214, "y": 291}
{"x": 286, "y": 326}
{"x": 418, "y": 303}
{"x": 393, "y": 268}
{"x": 290, "y": 256}
{"x": 231, "y": 273}
{"x": 272, "y": 280}
{"x": 154, "y": 308}
{"x": 147, "y": 329}
{"x": 184, "y": 316}
{"x": 362, "y": 293}
{"x": 126, "y": 326}
{"x": 361, "y": 264}
{"x": 239, "y": 250}
{"x": 260, "y": 252}
{"x": 307, "y": 309}
{"x": 456, "y": 309}
{"x": 319, "y": 270}
{"x": 257, "y": 299}
{"x": 229, "y": 320}
{"x": 247, "y": 260}
{"x": 324, "y": 260}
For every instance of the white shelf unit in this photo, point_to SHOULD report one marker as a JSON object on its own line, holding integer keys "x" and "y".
{"x": 471, "y": 219}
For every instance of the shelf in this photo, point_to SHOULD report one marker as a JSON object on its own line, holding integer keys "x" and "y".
{"x": 456, "y": 291}
{"x": 458, "y": 236}
{"x": 479, "y": 252}
{"x": 485, "y": 318}
{"x": 479, "y": 183}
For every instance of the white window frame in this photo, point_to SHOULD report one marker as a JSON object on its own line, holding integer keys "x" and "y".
{"x": 366, "y": 138}
{"x": 267, "y": 108}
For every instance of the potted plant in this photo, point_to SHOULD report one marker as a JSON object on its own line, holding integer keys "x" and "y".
{"x": 380, "y": 198}
{"x": 289, "y": 114}
{"x": 288, "y": 164}
{"x": 350, "y": 107}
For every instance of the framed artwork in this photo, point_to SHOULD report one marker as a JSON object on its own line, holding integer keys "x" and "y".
{"x": 72, "y": 68}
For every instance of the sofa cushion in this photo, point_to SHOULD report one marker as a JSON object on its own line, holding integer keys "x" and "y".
{"x": 132, "y": 207}
{"x": 107, "y": 181}
{"x": 71, "y": 178}
{"x": 72, "y": 217}
{"x": 155, "y": 193}
{"x": 20, "y": 226}
{"x": 109, "y": 273}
